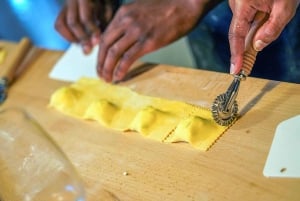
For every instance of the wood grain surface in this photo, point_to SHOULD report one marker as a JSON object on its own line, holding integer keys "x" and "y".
{"x": 231, "y": 170}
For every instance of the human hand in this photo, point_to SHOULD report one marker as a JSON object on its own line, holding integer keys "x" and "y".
{"x": 81, "y": 21}
{"x": 144, "y": 26}
{"x": 280, "y": 13}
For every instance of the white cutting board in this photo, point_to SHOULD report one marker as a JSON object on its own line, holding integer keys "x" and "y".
{"x": 284, "y": 156}
{"x": 74, "y": 64}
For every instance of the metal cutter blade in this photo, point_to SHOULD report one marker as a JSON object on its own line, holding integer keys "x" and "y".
{"x": 225, "y": 108}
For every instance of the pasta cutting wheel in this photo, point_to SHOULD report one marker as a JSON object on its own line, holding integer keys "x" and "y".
{"x": 225, "y": 108}
{"x": 224, "y": 118}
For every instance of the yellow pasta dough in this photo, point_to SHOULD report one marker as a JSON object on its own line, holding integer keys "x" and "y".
{"x": 120, "y": 108}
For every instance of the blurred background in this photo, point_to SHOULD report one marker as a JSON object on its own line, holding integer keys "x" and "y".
{"x": 34, "y": 19}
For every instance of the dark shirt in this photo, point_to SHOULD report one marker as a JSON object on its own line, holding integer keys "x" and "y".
{"x": 278, "y": 61}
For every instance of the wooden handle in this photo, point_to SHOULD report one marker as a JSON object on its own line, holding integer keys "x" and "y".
{"x": 14, "y": 62}
{"x": 250, "y": 53}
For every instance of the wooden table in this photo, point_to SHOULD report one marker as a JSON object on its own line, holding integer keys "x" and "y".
{"x": 231, "y": 170}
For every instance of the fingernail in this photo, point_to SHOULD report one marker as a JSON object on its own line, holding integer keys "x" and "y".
{"x": 232, "y": 69}
{"x": 116, "y": 80}
{"x": 259, "y": 45}
{"x": 95, "y": 40}
{"x": 86, "y": 49}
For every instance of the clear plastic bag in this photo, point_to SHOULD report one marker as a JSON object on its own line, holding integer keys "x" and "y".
{"x": 32, "y": 166}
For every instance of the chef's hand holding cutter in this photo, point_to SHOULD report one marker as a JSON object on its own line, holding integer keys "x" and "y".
{"x": 225, "y": 108}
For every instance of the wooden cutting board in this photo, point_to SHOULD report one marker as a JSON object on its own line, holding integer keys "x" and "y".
{"x": 230, "y": 170}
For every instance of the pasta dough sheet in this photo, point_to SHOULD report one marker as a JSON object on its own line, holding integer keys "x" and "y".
{"x": 120, "y": 108}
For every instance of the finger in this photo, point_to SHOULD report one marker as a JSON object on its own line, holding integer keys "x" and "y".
{"x": 86, "y": 12}
{"x": 62, "y": 27}
{"x": 239, "y": 27}
{"x": 107, "y": 40}
{"x": 116, "y": 29}
{"x": 139, "y": 49}
{"x": 73, "y": 21}
{"x": 114, "y": 53}
{"x": 100, "y": 14}
{"x": 271, "y": 30}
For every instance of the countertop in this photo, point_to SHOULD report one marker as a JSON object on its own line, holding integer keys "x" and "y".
{"x": 232, "y": 169}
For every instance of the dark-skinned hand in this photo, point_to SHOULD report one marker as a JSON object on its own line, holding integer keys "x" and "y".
{"x": 142, "y": 27}
{"x": 82, "y": 21}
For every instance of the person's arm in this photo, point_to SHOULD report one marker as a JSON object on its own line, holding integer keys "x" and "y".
{"x": 82, "y": 21}
{"x": 280, "y": 13}
{"x": 142, "y": 27}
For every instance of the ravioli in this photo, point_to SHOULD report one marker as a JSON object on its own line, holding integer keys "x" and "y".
{"x": 120, "y": 108}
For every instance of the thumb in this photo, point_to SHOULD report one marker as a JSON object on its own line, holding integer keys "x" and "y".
{"x": 270, "y": 30}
